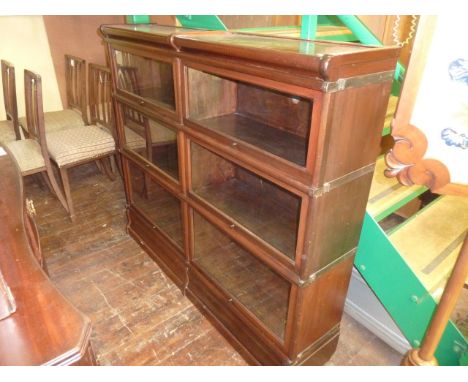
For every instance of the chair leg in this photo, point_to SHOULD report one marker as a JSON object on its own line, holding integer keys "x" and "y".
{"x": 99, "y": 166}
{"x": 66, "y": 187}
{"x": 108, "y": 168}
{"x": 146, "y": 182}
{"x": 46, "y": 180}
{"x": 50, "y": 180}
{"x": 115, "y": 164}
{"x": 118, "y": 161}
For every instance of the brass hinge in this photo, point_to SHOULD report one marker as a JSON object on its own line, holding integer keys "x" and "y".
{"x": 313, "y": 276}
{"x": 357, "y": 81}
{"x": 328, "y": 186}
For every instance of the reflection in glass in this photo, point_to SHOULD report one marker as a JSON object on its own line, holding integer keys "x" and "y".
{"x": 241, "y": 274}
{"x": 146, "y": 78}
{"x": 163, "y": 209}
{"x": 270, "y": 120}
{"x": 264, "y": 208}
{"x": 151, "y": 140}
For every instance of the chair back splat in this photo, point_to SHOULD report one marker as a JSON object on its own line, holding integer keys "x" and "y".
{"x": 128, "y": 79}
{"x": 9, "y": 95}
{"x": 35, "y": 111}
{"x": 100, "y": 98}
{"x": 75, "y": 82}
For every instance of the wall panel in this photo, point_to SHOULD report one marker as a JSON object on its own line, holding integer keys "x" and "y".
{"x": 24, "y": 43}
{"x": 78, "y": 36}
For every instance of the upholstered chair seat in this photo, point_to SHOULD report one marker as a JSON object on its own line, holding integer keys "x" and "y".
{"x": 160, "y": 133}
{"x": 28, "y": 155}
{"x": 79, "y": 143}
{"x": 7, "y": 132}
{"x": 134, "y": 140}
{"x": 57, "y": 120}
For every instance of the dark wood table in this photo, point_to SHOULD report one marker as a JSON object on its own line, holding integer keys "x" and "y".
{"x": 45, "y": 329}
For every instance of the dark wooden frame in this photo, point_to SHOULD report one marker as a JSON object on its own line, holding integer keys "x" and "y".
{"x": 35, "y": 118}
{"x": 338, "y": 153}
{"x": 75, "y": 84}
{"x": 36, "y": 131}
{"x": 9, "y": 95}
{"x": 297, "y": 175}
{"x": 156, "y": 54}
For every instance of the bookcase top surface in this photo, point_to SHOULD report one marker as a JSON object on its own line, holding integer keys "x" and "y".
{"x": 247, "y": 40}
{"x": 154, "y": 29}
{"x": 280, "y": 44}
{"x": 161, "y": 34}
{"x": 308, "y": 55}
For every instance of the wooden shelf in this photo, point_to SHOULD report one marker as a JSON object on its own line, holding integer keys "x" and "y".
{"x": 263, "y": 214}
{"x": 165, "y": 157}
{"x": 252, "y": 144}
{"x": 156, "y": 95}
{"x": 268, "y": 138}
{"x": 158, "y": 205}
{"x": 150, "y": 79}
{"x": 241, "y": 274}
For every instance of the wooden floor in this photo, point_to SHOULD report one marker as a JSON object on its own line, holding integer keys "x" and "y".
{"x": 139, "y": 316}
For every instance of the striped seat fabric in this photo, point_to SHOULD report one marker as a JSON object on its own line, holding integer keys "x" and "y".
{"x": 28, "y": 155}
{"x": 72, "y": 145}
{"x": 160, "y": 133}
{"x": 57, "y": 120}
{"x": 7, "y": 132}
{"x": 134, "y": 140}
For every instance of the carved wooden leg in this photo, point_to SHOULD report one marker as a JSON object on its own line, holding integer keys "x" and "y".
{"x": 56, "y": 188}
{"x": 66, "y": 187}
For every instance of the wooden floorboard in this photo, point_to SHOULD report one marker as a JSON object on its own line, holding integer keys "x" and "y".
{"x": 139, "y": 316}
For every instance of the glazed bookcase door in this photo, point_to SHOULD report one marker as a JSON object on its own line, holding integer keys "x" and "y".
{"x": 267, "y": 210}
{"x": 262, "y": 126}
{"x": 148, "y": 81}
{"x": 159, "y": 206}
{"x": 151, "y": 140}
{"x": 273, "y": 124}
{"x": 264, "y": 293}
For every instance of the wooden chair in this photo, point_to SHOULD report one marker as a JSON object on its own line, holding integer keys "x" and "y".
{"x": 136, "y": 123}
{"x": 31, "y": 154}
{"x": 133, "y": 140}
{"x": 9, "y": 129}
{"x": 72, "y": 146}
{"x": 100, "y": 105}
{"x": 76, "y": 113}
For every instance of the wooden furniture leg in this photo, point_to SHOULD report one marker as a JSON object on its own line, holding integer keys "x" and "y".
{"x": 99, "y": 166}
{"x": 56, "y": 188}
{"x": 106, "y": 164}
{"x": 47, "y": 182}
{"x": 424, "y": 356}
{"x": 115, "y": 164}
{"x": 66, "y": 187}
